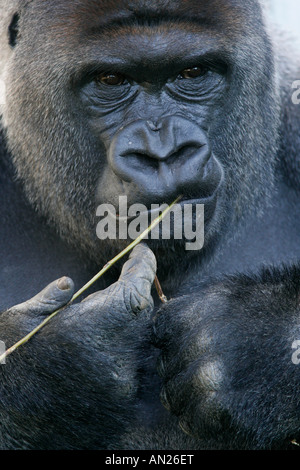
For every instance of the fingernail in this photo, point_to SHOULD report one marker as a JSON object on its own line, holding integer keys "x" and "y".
{"x": 64, "y": 283}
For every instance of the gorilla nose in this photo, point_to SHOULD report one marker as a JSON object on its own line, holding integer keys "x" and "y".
{"x": 161, "y": 158}
{"x": 155, "y": 140}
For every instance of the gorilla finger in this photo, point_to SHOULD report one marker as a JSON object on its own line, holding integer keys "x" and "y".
{"x": 134, "y": 284}
{"x": 138, "y": 274}
{"x": 54, "y": 296}
{"x": 141, "y": 263}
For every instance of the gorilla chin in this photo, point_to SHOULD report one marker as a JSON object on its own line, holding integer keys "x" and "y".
{"x": 181, "y": 230}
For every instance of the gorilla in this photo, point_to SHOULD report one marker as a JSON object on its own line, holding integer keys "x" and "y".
{"x": 149, "y": 100}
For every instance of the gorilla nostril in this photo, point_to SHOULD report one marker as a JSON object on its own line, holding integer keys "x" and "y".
{"x": 184, "y": 153}
{"x": 139, "y": 160}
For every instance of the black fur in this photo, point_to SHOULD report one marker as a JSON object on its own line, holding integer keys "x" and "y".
{"x": 223, "y": 343}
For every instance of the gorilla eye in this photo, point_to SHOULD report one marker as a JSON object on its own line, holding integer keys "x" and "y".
{"x": 112, "y": 79}
{"x": 194, "y": 72}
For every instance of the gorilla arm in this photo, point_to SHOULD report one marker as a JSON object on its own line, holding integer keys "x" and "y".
{"x": 226, "y": 359}
{"x": 73, "y": 385}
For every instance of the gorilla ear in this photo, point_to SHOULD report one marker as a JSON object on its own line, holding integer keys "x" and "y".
{"x": 13, "y": 30}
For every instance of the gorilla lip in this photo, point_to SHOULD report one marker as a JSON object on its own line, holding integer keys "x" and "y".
{"x": 209, "y": 202}
{"x": 154, "y": 212}
{"x": 186, "y": 222}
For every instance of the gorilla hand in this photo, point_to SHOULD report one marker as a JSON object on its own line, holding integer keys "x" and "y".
{"x": 219, "y": 350}
{"x": 192, "y": 371}
{"x": 85, "y": 359}
{"x": 54, "y": 296}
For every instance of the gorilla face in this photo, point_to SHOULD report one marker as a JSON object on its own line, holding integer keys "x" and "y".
{"x": 153, "y": 112}
{"x": 144, "y": 99}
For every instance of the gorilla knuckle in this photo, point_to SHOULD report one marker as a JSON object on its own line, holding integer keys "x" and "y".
{"x": 139, "y": 301}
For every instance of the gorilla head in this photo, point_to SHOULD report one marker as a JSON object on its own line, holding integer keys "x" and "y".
{"x": 143, "y": 99}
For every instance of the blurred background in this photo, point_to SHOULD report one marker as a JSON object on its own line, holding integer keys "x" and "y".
{"x": 285, "y": 13}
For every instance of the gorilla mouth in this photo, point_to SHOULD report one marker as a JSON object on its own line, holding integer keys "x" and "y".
{"x": 208, "y": 202}
{"x": 130, "y": 214}
{"x": 185, "y": 221}
{"x": 206, "y": 194}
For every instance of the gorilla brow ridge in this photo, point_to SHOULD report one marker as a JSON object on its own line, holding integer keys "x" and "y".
{"x": 153, "y": 19}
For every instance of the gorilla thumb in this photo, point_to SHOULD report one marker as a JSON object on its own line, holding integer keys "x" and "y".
{"x": 54, "y": 296}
